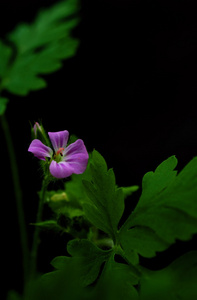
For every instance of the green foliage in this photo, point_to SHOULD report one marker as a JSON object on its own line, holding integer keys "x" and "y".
{"x": 74, "y": 202}
{"x": 5, "y": 54}
{"x": 106, "y": 202}
{"x": 40, "y": 48}
{"x": 129, "y": 190}
{"x": 166, "y": 211}
{"x": 85, "y": 252}
{"x": 78, "y": 276}
{"x": 3, "y": 105}
{"x": 176, "y": 281}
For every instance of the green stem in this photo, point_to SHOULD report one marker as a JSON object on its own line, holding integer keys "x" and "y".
{"x": 36, "y": 240}
{"x": 18, "y": 195}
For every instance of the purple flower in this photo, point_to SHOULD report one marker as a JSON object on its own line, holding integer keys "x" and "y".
{"x": 64, "y": 160}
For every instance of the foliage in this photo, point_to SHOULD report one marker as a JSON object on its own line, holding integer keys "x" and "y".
{"x": 37, "y": 49}
{"x": 166, "y": 211}
{"x": 102, "y": 260}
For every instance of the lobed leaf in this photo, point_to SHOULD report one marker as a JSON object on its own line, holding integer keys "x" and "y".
{"x": 41, "y": 46}
{"x": 90, "y": 257}
{"x": 166, "y": 211}
{"x": 106, "y": 202}
{"x": 118, "y": 281}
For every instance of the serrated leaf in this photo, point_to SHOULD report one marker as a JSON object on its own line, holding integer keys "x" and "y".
{"x": 41, "y": 46}
{"x": 106, "y": 200}
{"x": 154, "y": 182}
{"x": 143, "y": 241}
{"x": 90, "y": 257}
{"x": 166, "y": 211}
{"x": 3, "y": 105}
{"x": 49, "y": 26}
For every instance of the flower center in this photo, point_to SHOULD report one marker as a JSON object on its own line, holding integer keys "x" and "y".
{"x": 59, "y": 151}
{"x": 58, "y": 155}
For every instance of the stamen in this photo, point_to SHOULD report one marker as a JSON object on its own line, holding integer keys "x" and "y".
{"x": 59, "y": 151}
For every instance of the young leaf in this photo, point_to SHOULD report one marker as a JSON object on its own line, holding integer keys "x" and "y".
{"x": 41, "y": 46}
{"x": 167, "y": 210}
{"x": 106, "y": 201}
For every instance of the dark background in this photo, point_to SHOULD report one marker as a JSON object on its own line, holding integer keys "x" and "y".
{"x": 130, "y": 92}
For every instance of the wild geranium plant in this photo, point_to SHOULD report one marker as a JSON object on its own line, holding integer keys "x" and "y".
{"x": 103, "y": 259}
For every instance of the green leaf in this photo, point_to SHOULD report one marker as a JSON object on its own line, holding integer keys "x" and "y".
{"x": 61, "y": 284}
{"x": 154, "y": 182}
{"x": 117, "y": 282}
{"x": 106, "y": 201}
{"x": 176, "y": 281}
{"x": 90, "y": 257}
{"x": 74, "y": 187}
{"x": 5, "y": 55}
{"x": 60, "y": 262}
{"x": 3, "y": 105}
{"x": 41, "y": 46}
{"x": 166, "y": 211}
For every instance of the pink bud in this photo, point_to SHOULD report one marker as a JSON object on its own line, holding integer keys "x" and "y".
{"x": 37, "y": 127}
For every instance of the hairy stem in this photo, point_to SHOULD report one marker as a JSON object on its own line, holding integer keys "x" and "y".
{"x": 18, "y": 195}
{"x": 36, "y": 240}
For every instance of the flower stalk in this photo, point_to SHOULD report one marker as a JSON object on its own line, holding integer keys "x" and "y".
{"x": 36, "y": 240}
{"x": 18, "y": 195}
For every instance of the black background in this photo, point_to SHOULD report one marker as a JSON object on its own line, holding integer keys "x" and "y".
{"x": 130, "y": 92}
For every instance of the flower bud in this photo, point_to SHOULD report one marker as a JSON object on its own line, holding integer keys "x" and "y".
{"x": 38, "y": 132}
{"x": 37, "y": 128}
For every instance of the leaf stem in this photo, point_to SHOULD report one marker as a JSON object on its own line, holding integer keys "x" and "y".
{"x": 36, "y": 240}
{"x": 18, "y": 195}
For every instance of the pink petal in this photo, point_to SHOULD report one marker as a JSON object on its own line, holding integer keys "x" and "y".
{"x": 78, "y": 162}
{"x": 76, "y": 156}
{"x": 59, "y": 139}
{"x": 60, "y": 170}
{"x": 75, "y": 148}
{"x": 40, "y": 150}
